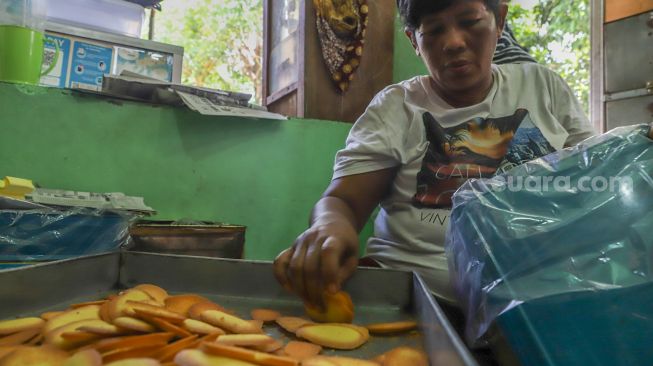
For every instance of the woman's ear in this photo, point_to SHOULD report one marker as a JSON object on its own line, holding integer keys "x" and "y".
{"x": 413, "y": 41}
{"x": 501, "y": 19}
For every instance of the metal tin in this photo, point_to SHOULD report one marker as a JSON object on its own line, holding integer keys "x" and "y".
{"x": 204, "y": 239}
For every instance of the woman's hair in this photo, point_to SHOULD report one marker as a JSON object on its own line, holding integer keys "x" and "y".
{"x": 412, "y": 11}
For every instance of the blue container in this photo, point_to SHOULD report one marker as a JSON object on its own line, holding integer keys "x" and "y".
{"x": 566, "y": 273}
{"x": 610, "y": 327}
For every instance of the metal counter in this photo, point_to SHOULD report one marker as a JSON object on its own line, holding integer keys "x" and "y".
{"x": 379, "y": 295}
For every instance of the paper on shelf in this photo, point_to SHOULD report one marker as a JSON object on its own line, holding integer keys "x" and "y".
{"x": 211, "y": 102}
{"x": 207, "y": 107}
{"x": 107, "y": 201}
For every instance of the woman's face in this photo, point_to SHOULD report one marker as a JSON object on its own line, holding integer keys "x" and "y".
{"x": 457, "y": 45}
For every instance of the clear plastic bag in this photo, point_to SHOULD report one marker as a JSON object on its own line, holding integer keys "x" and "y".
{"x": 575, "y": 221}
{"x": 24, "y": 13}
{"x": 46, "y": 234}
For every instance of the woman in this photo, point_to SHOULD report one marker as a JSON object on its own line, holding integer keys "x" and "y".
{"x": 420, "y": 139}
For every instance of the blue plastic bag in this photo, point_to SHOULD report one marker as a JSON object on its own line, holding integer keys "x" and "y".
{"x": 578, "y": 220}
{"x": 46, "y": 234}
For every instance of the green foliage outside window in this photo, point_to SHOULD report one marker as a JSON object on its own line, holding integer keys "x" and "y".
{"x": 222, "y": 40}
{"x": 557, "y": 34}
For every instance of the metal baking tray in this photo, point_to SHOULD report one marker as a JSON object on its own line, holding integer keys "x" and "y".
{"x": 379, "y": 295}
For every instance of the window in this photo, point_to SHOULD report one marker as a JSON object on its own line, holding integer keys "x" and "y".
{"x": 557, "y": 34}
{"x": 222, "y": 41}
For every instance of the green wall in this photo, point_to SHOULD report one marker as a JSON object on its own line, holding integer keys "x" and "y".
{"x": 259, "y": 173}
{"x": 406, "y": 63}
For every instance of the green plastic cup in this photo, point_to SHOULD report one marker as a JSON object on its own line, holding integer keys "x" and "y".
{"x": 21, "y": 55}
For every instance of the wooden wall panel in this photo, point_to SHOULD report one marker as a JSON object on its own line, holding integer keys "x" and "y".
{"x": 315, "y": 95}
{"x": 322, "y": 99}
{"x": 619, "y": 9}
{"x": 286, "y": 105}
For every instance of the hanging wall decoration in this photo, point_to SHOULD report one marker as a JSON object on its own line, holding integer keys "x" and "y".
{"x": 341, "y": 28}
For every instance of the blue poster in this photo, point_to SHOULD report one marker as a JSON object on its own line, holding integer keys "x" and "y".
{"x": 57, "y": 76}
{"x": 89, "y": 63}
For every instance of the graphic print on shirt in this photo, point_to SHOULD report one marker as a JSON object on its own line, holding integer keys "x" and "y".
{"x": 474, "y": 149}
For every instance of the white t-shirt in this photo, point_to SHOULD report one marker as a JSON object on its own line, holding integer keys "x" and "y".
{"x": 529, "y": 112}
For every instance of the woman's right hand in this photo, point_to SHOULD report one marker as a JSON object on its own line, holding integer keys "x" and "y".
{"x": 326, "y": 254}
{"x": 320, "y": 259}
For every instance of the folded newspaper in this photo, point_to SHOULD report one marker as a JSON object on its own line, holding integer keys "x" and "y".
{"x": 210, "y": 102}
{"x": 106, "y": 201}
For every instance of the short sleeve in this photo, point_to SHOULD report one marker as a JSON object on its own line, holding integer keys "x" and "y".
{"x": 376, "y": 140}
{"x": 569, "y": 112}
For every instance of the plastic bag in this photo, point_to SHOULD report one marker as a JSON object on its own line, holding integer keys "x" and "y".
{"x": 45, "y": 234}
{"x": 576, "y": 220}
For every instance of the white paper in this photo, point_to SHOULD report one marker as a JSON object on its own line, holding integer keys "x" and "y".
{"x": 210, "y": 102}
{"x": 206, "y": 107}
{"x": 115, "y": 200}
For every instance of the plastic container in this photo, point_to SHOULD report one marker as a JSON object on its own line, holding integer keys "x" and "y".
{"x": 22, "y": 38}
{"x": 600, "y": 328}
{"x": 23, "y": 13}
{"x": 513, "y": 242}
{"x": 114, "y": 16}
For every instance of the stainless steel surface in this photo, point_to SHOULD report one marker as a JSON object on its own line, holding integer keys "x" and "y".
{"x": 629, "y": 94}
{"x": 379, "y": 295}
{"x": 177, "y": 67}
{"x": 439, "y": 335}
{"x": 34, "y": 289}
{"x": 597, "y": 112}
{"x": 114, "y": 38}
{"x": 629, "y": 111}
{"x": 177, "y": 51}
{"x": 628, "y": 54}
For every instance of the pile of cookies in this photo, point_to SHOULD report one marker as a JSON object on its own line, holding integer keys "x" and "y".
{"x": 145, "y": 326}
